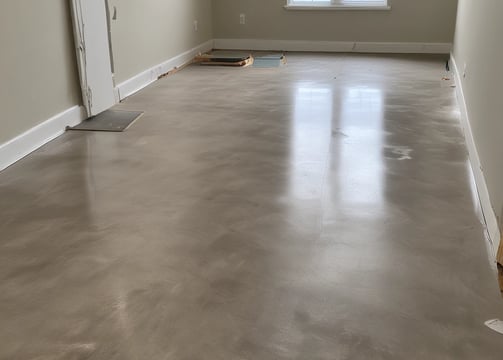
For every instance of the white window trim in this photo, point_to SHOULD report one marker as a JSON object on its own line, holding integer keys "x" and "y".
{"x": 335, "y": 5}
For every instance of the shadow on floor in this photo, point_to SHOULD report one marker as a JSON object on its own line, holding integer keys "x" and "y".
{"x": 500, "y": 278}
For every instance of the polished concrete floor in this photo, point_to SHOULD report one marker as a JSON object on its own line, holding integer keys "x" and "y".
{"x": 319, "y": 211}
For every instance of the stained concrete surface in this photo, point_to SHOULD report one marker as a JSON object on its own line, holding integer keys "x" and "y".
{"x": 323, "y": 210}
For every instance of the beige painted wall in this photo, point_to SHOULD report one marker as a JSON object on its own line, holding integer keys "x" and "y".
{"x": 478, "y": 45}
{"x": 149, "y": 32}
{"x": 38, "y": 75}
{"x": 430, "y": 21}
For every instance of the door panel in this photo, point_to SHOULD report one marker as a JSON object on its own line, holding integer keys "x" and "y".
{"x": 93, "y": 54}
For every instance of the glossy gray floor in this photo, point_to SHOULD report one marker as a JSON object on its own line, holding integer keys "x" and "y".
{"x": 323, "y": 210}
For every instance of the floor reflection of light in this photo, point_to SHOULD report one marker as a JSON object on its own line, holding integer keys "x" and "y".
{"x": 359, "y": 149}
{"x": 337, "y": 179}
{"x": 311, "y": 136}
{"x": 354, "y": 202}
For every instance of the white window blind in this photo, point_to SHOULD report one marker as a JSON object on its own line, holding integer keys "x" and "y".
{"x": 338, "y": 3}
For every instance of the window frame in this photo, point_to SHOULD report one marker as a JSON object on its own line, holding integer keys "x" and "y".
{"x": 336, "y": 5}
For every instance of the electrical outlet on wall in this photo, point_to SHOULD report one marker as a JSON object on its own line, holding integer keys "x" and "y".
{"x": 196, "y": 25}
{"x": 242, "y": 19}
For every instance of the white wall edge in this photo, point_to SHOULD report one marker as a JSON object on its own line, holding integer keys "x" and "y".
{"x": 24, "y": 144}
{"x": 491, "y": 221}
{"x": 333, "y": 46}
{"x": 147, "y": 77}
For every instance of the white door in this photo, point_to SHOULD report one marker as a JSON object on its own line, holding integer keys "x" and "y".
{"x": 93, "y": 54}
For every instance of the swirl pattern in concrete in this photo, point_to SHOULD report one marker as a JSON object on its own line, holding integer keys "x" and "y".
{"x": 323, "y": 210}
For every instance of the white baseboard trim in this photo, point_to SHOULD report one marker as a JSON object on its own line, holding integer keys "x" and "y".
{"x": 333, "y": 46}
{"x": 147, "y": 77}
{"x": 24, "y": 144}
{"x": 491, "y": 221}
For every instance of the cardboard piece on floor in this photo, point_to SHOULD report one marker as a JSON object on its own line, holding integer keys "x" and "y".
{"x": 225, "y": 58}
{"x": 243, "y": 63}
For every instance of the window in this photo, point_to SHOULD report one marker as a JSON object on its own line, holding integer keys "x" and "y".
{"x": 337, "y": 4}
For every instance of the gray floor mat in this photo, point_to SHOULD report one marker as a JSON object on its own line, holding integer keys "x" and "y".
{"x": 110, "y": 120}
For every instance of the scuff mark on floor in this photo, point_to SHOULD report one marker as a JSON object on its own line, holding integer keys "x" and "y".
{"x": 399, "y": 153}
